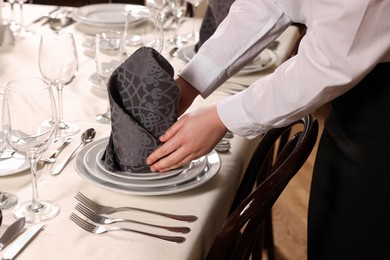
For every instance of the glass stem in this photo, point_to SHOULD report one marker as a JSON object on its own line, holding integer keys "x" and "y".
{"x": 35, "y": 203}
{"x": 62, "y": 125}
{"x": 21, "y": 14}
{"x": 194, "y": 32}
{"x": 12, "y": 6}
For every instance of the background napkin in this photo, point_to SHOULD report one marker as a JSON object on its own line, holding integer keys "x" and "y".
{"x": 216, "y": 11}
{"x": 144, "y": 100}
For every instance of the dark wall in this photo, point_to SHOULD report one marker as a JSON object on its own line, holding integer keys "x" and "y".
{"x": 78, "y": 3}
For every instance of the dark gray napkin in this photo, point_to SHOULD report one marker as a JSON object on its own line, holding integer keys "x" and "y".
{"x": 144, "y": 100}
{"x": 216, "y": 11}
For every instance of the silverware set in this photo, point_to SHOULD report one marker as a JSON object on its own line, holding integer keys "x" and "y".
{"x": 14, "y": 232}
{"x": 93, "y": 210}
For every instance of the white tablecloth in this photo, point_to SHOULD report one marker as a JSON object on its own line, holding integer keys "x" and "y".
{"x": 61, "y": 238}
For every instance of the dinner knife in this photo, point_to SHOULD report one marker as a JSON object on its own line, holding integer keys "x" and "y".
{"x": 11, "y": 232}
{"x": 21, "y": 242}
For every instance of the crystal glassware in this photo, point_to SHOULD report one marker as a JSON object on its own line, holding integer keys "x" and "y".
{"x": 28, "y": 102}
{"x": 58, "y": 64}
{"x": 178, "y": 9}
{"x": 7, "y": 200}
{"x": 108, "y": 56}
{"x": 143, "y": 28}
{"x": 195, "y": 33}
{"x": 18, "y": 28}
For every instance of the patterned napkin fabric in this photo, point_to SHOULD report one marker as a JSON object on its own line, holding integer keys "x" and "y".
{"x": 144, "y": 100}
{"x": 216, "y": 11}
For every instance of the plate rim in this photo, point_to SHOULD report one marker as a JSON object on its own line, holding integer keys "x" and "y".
{"x": 214, "y": 163}
{"x": 78, "y": 16}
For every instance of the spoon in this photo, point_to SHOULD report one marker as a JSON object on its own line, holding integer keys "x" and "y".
{"x": 52, "y": 158}
{"x": 86, "y": 137}
{"x": 173, "y": 52}
{"x": 61, "y": 20}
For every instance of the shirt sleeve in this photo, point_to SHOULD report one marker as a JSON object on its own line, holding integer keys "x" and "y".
{"x": 344, "y": 41}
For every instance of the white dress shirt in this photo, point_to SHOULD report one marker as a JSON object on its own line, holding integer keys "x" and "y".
{"x": 345, "y": 39}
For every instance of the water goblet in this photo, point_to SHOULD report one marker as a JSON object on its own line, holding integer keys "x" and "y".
{"x": 108, "y": 56}
{"x": 28, "y": 102}
{"x": 18, "y": 28}
{"x": 7, "y": 200}
{"x": 58, "y": 64}
{"x": 143, "y": 28}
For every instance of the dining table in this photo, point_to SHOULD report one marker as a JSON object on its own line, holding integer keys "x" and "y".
{"x": 83, "y": 99}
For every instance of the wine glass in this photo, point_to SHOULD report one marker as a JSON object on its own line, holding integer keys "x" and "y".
{"x": 143, "y": 28}
{"x": 195, "y": 33}
{"x": 28, "y": 102}
{"x": 108, "y": 56}
{"x": 179, "y": 9}
{"x": 7, "y": 200}
{"x": 18, "y": 28}
{"x": 58, "y": 64}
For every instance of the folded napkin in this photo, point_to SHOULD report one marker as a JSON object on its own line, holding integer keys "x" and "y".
{"x": 144, "y": 100}
{"x": 216, "y": 11}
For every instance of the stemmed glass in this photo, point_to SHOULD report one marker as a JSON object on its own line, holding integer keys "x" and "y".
{"x": 18, "y": 28}
{"x": 7, "y": 200}
{"x": 179, "y": 9}
{"x": 58, "y": 64}
{"x": 195, "y": 33}
{"x": 28, "y": 102}
{"x": 108, "y": 56}
{"x": 143, "y": 28}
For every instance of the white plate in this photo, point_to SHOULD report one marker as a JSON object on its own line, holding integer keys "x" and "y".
{"x": 263, "y": 61}
{"x": 97, "y": 149}
{"x": 91, "y": 166}
{"x": 213, "y": 166}
{"x": 13, "y": 165}
{"x": 102, "y": 14}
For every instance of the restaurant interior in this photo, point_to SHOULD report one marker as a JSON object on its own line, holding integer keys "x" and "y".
{"x": 282, "y": 228}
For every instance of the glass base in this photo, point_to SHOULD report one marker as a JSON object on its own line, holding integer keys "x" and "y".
{"x": 103, "y": 118}
{"x": 47, "y": 210}
{"x": 7, "y": 200}
{"x": 64, "y": 129}
{"x": 178, "y": 40}
{"x": 69, "y": 129}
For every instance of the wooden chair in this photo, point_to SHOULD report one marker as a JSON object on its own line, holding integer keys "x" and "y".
{"x": 268, "y": 173}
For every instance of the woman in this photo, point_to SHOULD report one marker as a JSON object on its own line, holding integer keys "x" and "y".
{"x": 343, "y": 58}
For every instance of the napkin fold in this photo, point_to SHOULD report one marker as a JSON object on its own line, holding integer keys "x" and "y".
{"x": 144, "y": 100}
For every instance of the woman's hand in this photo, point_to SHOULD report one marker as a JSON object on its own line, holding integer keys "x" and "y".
{"x": 195, "y": 134}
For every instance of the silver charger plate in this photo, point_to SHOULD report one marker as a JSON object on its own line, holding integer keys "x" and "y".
{"x": 263, "y": 61}
{"x": 113, "y": 14}
{"x": 211, "y": 169}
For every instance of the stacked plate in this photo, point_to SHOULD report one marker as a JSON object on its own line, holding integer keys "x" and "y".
{"x": 89, "y": 165}
{"x": 263, "y": 61}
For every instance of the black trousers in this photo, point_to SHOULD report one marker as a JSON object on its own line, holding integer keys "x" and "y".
{"x": 349, "y": 206}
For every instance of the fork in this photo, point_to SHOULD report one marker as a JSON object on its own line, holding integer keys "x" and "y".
{"x": 102, "y": 209}
{"x": 103, "y": 229}
{"x": 105, "y": 220}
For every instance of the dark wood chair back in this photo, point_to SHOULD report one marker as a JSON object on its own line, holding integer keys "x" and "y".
{"x": 268, "y": 173}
